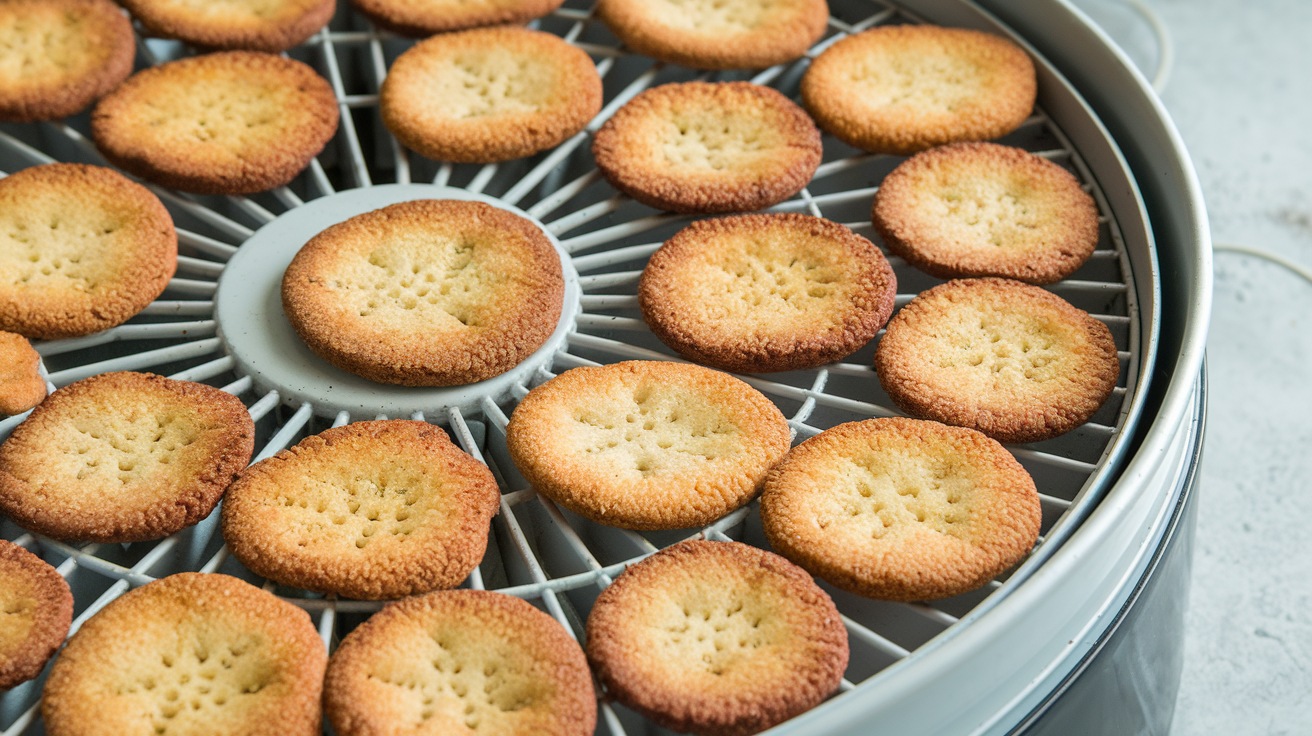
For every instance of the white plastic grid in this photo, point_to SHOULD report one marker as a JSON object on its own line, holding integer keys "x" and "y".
{"x": 538, "y": 551}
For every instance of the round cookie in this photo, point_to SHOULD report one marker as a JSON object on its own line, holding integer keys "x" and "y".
{"x": 717, "y": 638}
{"x": 901, "y": 509}
{"x": 708, "y": 147}
{"x": 768, "y": 292}
{"x": 82, "y": 249}
{"x": 488, "y": 95}
{"x": 257, "y": 25}
{"x": 460, "y": 661}
{"x": 714, "y": 34}
{"x": 371, "y": 510}
{"x": 902, "y": 89}
{"x": 60, "y": 55}
{"x": 647, "y": 444}
{"x": 21, "y": 384}
{"x": 426, "y": 293}
{"x": 235, "y": 122}
{"x": 980, "y": 209}
{"x": 123, "y": 457}
{"x": 422, "y": 18}
{"x": 191, "y": 653}
{"x": 1018, "y": 363}
{"x": 36, "y": 609}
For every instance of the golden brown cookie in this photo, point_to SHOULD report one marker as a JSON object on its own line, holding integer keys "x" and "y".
{"x": 123, "y": 457}
{"x": 717, "y": 638}
{"x": 766, "y": 292}
{"x": 60, "y": 55}
{"x": 460, "y": 661}
{"x": 490, "y": 94}
{"x": 36, "y": 609}
{"x": 647, "y": 444}
{"x": 717, "y": 34}
{"x": 235, "y": 122}
{"x": 980, "y": 209}
{"x": 1018, "y": 363}
{"x": 708, "y": 147}
{"x": 426, "y": 293}
{"x": 82, "y": 249}
{"x": 420, "y": 18}
{"x": 257, "y": 25}
{"x": 21, "y": 384}
{"x": 902, "y": 89}
{"x": 901, "y": 509}
{"x": 369, "y": 510}
{"x": 189, "y": 654}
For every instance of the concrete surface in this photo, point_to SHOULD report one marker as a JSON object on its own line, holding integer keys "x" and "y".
{"x": 1241, "y": 96}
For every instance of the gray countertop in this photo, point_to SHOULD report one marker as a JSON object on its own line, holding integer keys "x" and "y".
{"x": 1241, "y": 94}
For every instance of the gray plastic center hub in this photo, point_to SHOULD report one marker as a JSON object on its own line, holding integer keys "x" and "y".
{"x": 255, "y": 331}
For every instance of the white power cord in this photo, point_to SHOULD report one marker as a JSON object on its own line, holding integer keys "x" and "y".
{"x": 1165, "y": 62}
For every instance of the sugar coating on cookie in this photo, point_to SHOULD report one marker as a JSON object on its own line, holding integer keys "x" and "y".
{"x": 901, "y": 89}
{"x": 647, "y": 444}
{"x": 422, "y": 18}
{"x": 21, "y": 384}
{"x": 981, "y": 209}
{"x": 82, "y": 249}
{"x": 766, "y": 292}
{"x": 1018, "y": 363}
{"x": 717, "y": 638}
{"x": 460, "y": 661}
{"x": 372, "y": 510}
{"x": 708, "y": 147}
{"x": 60, "y": 55}
{"x": 234, "y": 122}
{"x": 36, "y": 609}
{"x": 257, "y": 25}
{"x": 191, "y": 653}
{"x": 901, "y": 509}
{"x": 426, "y": 293}
{"x": 717, "y": 34}
{"x": 488, "y": 95}
{"x": 123, "y": 457}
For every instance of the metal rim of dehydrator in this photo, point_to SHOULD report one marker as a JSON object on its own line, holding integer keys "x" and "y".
{"x": 214, "y": 220}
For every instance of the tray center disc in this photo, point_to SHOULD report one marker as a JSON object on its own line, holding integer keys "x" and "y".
{"x": 256, "y": 333}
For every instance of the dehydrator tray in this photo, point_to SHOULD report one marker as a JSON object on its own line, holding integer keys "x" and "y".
{"x": 220, "y": 322}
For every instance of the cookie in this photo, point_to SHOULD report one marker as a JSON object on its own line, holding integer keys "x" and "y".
{"x": 902, "y": 89}
{"x": 234, "y": 122}
{"x": 901, "y": 509}
{"x": 60, "y": 55}
{"x": 708, "y": 147}
{"x": 191, "y": 653}
{"x": 426, "y": 293}
{"x": 36, "y": 609}
{"x": 460, "y": 661}
{"x": 421, "y": 18}
{"x": 771, "y": 292}
{"x": 123, "y": 457}
{"x": 980, "y": 209}
{"x": 647, "y": 444}
{"x": 487, "y": 95}
{"x": 717, "y": 638}
{"x": 371, "y": 510}
{"x": 256, "y": 25}
{"x": 82, "y": 249}
{"x": 21, "y": 384}
{"x": 1018, "y": 363}
{"x": 713, "y": 34}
